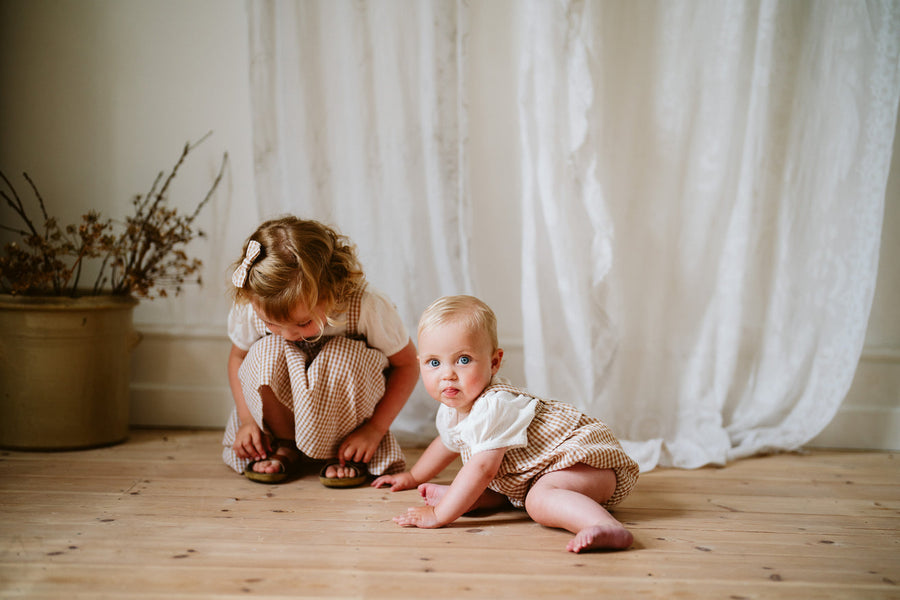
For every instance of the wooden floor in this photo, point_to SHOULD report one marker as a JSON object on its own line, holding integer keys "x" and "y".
{"x": 161, "y": 516}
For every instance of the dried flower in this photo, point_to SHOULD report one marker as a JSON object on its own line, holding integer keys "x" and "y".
{"x": 144, "y": 256}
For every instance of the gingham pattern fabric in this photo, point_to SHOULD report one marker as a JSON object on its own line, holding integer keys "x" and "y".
{"x": 332, "y": 385}
{"x": 559, "y": 436}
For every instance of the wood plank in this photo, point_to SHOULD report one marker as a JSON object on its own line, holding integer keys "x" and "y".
{"x": 470, "y": 554}
{"x": 161, "y": 516}
{"x": 255, "y": 581}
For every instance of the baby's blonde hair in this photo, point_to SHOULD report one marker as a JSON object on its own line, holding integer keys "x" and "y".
{"x": 473, "y": 313}
{"x": 300, "y": 262}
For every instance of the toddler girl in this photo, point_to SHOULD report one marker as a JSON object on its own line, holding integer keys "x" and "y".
{"x": 562, "y": 466}
{"x": 320, "y": 363}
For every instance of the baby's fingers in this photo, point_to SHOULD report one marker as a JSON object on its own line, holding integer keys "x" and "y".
{"x": 385, "y": 481}
{"x": 420, "y": 516}
{"x": 407, "y": 520}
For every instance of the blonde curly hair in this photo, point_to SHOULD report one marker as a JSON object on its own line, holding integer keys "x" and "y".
{"x": 301, "y": 262}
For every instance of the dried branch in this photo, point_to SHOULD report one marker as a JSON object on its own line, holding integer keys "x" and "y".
{"x": 145, "y": 258}
{"x": 16, "y": 204}
{"x": 37, "y": 195}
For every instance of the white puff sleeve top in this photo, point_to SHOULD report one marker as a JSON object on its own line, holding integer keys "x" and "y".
{"x": 498, "y": 419}
{"x": 379, "y": 322}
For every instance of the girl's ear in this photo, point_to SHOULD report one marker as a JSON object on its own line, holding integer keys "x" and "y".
{"x": 496, "y": 360}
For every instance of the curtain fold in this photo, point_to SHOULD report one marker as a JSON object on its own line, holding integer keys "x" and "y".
{"x": 359, "y": 121}
{"x": 735, "y": 156}
{"x": 702, "y": 189}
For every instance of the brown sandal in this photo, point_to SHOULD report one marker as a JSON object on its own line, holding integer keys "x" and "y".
{"x": 344, "y": 482}
{"x": 289, "y": 468}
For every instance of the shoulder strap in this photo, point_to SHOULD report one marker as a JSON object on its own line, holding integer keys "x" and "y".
{"x": 504, "y": 387}
{"x": 353, "y": 310}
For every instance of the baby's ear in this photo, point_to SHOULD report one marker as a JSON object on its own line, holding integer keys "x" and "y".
{"x": 496, "y": 360}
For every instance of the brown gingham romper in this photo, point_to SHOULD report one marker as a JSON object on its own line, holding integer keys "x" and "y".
{"x": 332, "y": 384}
{"x": 559, "y": 437}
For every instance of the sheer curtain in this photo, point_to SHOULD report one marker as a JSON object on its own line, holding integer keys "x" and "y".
{"x": 703, "y": 192}
{"x": 359, "y": 121}
{"x": 702, "y": 185}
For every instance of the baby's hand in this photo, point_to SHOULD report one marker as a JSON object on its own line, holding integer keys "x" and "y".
{"x": 397, "y": 482}
{"x": 422, "y": 517}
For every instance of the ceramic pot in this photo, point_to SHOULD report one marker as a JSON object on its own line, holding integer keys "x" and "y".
{"x": 65, "y": 369}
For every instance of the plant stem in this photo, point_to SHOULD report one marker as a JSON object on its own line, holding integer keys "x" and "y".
{"x": 17, "y": 206}
{"x": 37, "y": 195}
{"x": 212, "y": 188}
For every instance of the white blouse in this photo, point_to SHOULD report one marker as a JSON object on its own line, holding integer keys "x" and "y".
{"x": 498, "y": 419}
{"x": 379, "y": 323}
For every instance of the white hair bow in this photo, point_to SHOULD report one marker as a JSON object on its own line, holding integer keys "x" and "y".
{"x": 239, "y": 278}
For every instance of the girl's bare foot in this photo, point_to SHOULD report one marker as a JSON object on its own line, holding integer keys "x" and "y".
{"x": 606, "y": 537}
{"x": 279, "y": 461}
{"x": 432, "y": 493}
{"x": 339, "y": 472}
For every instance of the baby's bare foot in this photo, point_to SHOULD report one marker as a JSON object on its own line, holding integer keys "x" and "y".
{"x": 432, "y": 493}
{"x": 608, "y": 537}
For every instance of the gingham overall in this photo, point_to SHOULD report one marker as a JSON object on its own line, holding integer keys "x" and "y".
{"x": 332, "y": 385}
{"x": 559, "y": 436}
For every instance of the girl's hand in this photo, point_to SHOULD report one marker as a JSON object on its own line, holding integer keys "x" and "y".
{"x": 422, "y": 517}
{"x": 360, "y": 446}
{"x": 397, "y": 482}
{"x": 250, "y": 442}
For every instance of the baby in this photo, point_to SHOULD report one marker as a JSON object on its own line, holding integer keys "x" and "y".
{"x": 562, "y": 466}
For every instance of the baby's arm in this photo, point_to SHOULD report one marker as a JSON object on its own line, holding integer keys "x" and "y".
{"x": 249, "y": 441}
{"x": 468, "y": 486}
{"x": 435, "y": 459}
{"x": 401, "y": 378}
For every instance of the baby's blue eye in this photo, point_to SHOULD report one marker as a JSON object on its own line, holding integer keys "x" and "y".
{"x": 464, "y": 360}
{"x": 434, "y": 362}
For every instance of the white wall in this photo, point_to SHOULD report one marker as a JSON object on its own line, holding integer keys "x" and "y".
{"x": 99, "y": 95}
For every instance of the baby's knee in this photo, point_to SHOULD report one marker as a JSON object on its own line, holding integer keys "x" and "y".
{"x": 538, "y": 498}
{"x": 597, "y": 484}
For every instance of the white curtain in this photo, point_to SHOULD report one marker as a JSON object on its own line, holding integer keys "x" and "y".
{"x": 703, "y": 192}
{"x": 702, "y": 185}
{"x": 359, "y": 121}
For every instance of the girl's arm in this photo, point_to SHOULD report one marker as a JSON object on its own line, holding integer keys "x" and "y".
{"x": 435, "y": 459}
{"x": 468, "y": 486}
{"x": 401, "y": 378}
{"x": 249, "y": 441}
